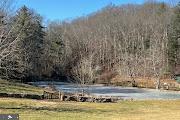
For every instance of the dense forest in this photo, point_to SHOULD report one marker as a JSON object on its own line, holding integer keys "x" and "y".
{"x": 127, "y": 40}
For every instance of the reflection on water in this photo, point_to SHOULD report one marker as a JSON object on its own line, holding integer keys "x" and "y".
{"x": 125, "y": 92}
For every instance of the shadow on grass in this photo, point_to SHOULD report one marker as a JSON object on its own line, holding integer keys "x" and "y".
{"x": 56, "y": 109}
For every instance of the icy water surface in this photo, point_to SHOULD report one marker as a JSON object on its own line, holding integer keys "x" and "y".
{"x": 123, "y": 92}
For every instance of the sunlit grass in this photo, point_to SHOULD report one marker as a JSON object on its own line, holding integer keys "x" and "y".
{"x": 13, "y": 87}
{"x": 49, "y": 110}
{"x": 124, "y": 110}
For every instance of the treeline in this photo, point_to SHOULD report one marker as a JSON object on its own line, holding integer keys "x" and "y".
{"x": 128, "y": 40}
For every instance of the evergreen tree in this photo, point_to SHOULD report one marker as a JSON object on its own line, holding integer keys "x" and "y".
{"x": 29, "y": 32}
{"x": 174, "y": 39}
{"x": 54, "y": 49}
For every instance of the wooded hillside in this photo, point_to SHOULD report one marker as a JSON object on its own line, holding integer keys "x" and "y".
{"x": 128, "y": 40}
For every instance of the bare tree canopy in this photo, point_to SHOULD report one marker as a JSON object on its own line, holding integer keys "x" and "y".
{"x": 132, "y": 41}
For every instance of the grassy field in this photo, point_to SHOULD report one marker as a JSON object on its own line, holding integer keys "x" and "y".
{"x": 49, "y": 110}
{"x": 124, "y": 110}
{"x": 14, "y": 87}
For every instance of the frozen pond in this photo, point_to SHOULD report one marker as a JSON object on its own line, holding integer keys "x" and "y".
{"x": 124, "y": 92}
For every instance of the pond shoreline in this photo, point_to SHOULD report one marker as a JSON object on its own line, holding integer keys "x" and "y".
{"x": 99, "y": 85}
{"x": 117, "y": 91}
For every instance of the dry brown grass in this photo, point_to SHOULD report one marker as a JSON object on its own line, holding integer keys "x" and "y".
{"x": 146, "y": 82}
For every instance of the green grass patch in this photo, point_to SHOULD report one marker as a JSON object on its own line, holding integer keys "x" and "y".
{"x": 14, "y": 87}
{"x": 53, "y": 110}
{"x": 124, "y": 110}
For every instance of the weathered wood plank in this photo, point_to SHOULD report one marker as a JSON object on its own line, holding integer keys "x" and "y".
{"x": 79, "y": 97}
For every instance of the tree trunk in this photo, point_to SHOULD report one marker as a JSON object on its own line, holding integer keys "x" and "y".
{"x": 158, "y": 83}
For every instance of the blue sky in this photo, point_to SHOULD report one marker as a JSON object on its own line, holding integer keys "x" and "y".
{"x": 69, "y": 9}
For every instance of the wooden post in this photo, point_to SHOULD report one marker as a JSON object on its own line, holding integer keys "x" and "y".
{"x": 44, "y": 95}
{"x": 59, "y": 95}
{"x": 62, "y": 95}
